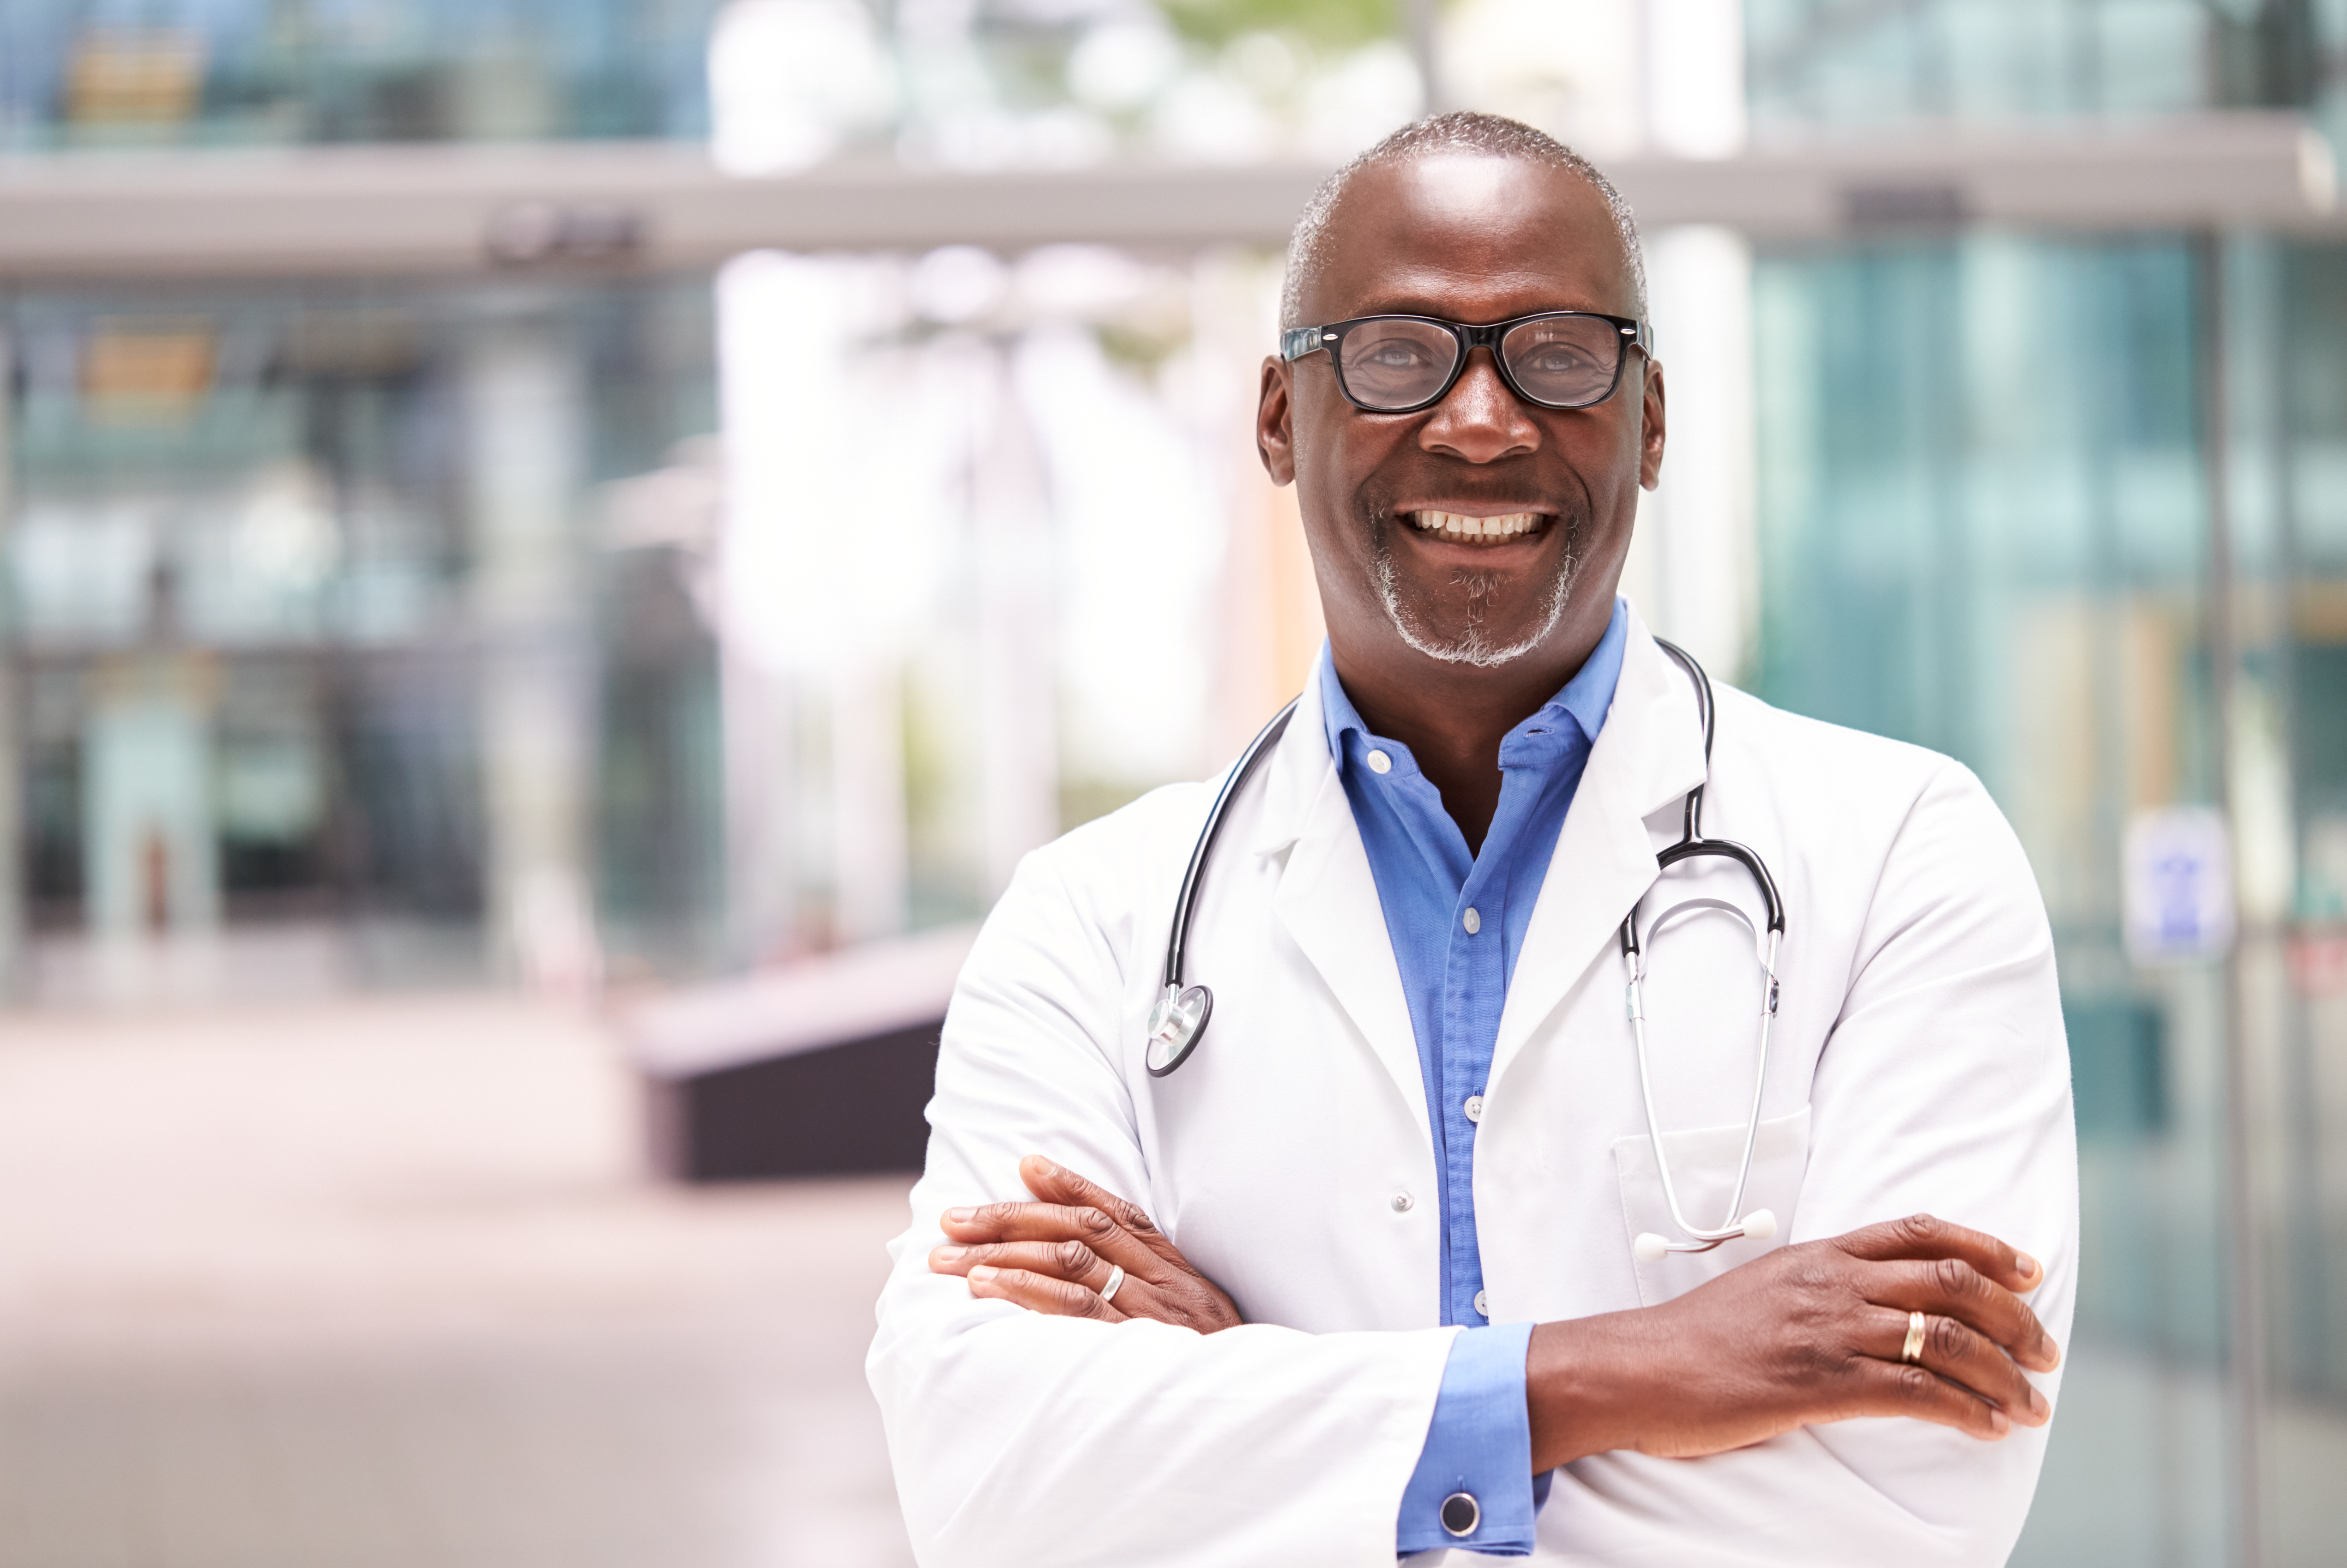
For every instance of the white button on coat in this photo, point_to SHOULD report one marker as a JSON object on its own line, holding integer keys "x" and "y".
{"x": 1472, "y": 920}
{"x": 1401, "y": 1202}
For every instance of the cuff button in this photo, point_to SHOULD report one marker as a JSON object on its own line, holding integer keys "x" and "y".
{"x": 1461, "y": 1513}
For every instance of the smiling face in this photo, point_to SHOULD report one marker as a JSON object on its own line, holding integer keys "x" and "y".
{"x": 1484, "y": 531}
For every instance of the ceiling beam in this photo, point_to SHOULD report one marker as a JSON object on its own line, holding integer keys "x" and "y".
{"x": 458, "y": 209}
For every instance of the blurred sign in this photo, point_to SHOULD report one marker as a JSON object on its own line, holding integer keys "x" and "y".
{"x": 133, "y": 370}
{"x": 146, "y": 78}
{"x": 2178, "y": 878}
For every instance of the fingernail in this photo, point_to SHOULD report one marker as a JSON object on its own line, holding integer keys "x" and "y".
{"x": 961, "y": 1216}
{"x": 1999, "y": 1422}
{"x": 981, "y": 1274}
{"x": 2028, "y": 1265}
{"x": 2038, "y": 1406}
{"x": 2052, "y": 1355}
{"x": 1049, "y": 1168}
{"x": 946, "y": 1254}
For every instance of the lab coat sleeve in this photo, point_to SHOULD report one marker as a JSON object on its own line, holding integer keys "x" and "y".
{"x": 1943, "y": 1088}
{"x": 1019, "y": 1439}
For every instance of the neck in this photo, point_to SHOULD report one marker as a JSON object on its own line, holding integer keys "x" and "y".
{"x": 1453, "y": 717}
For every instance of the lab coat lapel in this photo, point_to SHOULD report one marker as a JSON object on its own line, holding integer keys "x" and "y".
{"x": 1647, "y": 756}
{"x": 1327, "y": 897}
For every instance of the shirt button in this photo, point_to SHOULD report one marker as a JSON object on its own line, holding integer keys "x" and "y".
{"x": 1471, "y": 920}
{"x": 1474, "y": 1108}
{"x": 1401, "y": 1202}
{"x": 1461, "y": 1513}
{"x": 1380, "y": 762}
{"x": 1482, "y": 1303}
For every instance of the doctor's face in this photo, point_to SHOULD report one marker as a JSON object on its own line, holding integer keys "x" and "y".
{"x": 1476, "y": 239}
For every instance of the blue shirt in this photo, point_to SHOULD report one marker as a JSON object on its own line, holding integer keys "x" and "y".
{"x": 1457, "y": 921}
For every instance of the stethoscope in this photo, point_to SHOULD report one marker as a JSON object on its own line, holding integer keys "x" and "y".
{"x": 1178, "y": 1022}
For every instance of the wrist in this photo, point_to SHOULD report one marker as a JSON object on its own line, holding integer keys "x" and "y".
{"x": 1581, "y": 1388}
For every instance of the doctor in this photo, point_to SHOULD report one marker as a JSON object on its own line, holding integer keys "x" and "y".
{"x": 1360, "y": 1280}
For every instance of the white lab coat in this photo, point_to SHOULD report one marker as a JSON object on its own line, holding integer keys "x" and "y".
{"x": 1917, "y": 1064}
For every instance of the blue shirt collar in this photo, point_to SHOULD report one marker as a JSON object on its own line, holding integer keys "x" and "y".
{"x": 1586, "y": 698}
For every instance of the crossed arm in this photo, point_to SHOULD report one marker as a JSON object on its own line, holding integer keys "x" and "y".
{"x": 1807, "y": 1334}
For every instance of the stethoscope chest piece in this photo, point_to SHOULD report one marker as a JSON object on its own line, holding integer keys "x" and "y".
{"x": 1175, "y": 1026}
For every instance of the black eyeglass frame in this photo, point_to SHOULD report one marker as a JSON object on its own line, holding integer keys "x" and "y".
{"x": 1294, "y": 342}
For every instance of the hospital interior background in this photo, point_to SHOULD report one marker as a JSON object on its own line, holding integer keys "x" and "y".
{"x": 418, "y": 654}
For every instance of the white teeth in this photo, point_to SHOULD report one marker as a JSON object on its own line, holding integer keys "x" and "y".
{"x": 1455, "y": 526}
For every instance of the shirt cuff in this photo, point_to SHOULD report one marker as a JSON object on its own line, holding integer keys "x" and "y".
{"x": 1480, "y": 1442}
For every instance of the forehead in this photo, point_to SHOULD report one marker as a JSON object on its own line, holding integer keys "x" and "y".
{"x": 1468, "y": 236}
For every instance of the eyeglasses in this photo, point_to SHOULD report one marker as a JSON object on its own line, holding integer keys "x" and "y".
{"x": 1399, "y": 364}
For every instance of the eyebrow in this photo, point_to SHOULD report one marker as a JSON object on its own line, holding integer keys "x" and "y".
{"x": 1415, "y": 306}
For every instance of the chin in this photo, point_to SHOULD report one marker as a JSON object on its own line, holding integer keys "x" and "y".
{"x": 1460, "y": 634}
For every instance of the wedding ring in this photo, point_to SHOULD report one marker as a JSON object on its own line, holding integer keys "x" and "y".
{"x": 1116, "y": 1281}
{"x": 1912, "y": 1351}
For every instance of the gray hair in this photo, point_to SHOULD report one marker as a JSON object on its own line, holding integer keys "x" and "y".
{"x": 1464, "y": 131}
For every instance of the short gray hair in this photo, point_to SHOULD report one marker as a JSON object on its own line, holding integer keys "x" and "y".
{"x": 1464, "y": 131}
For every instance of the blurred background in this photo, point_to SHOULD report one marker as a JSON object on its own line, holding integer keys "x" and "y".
{"x": 449, "y": 613}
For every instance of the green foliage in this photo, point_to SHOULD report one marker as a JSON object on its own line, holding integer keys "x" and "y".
{"x": 1331, "y": 23}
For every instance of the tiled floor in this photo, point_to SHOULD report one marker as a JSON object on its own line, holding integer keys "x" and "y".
{"x": 381, "y": 1283}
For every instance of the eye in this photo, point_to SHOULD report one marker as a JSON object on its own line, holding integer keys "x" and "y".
{"x": 1394, "y": 354}
{"x": 1557, "y": 359}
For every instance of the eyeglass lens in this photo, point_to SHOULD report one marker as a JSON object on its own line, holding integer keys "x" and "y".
{"x": 1566, "y": 362}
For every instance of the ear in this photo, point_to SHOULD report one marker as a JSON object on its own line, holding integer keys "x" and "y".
{"x": 1274, "y": 433}
{"x": 1651, "y": 429}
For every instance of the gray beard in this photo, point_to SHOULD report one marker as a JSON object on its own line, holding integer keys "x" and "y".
{"x": 1473, "y": 647}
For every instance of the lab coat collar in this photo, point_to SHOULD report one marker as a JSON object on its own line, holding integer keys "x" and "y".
{"x": 1647, "y": 758}
{"x": 1327, "y": 897}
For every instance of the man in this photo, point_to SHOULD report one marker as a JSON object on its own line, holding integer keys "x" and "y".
{"x": 1362, "y": 1278}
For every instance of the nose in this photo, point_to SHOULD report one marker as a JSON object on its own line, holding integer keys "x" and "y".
{"x": 1481, "y": 421}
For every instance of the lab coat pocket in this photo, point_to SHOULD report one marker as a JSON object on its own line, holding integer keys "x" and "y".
{"x": 1703, "y": 1167}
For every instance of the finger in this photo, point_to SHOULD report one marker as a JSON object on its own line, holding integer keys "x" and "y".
{"x": 1896, "y": 1389}
{"x": 1070, "y": 1260}
{"x": 1952, "y": 1287}
{"x": 1037, "y": 1293}
{"x": 1963, "y": 1356}
{"x": 1057, "y": 1183}
{"x": 1053, "y": 1221}
{"x": 1925, "y": 1236}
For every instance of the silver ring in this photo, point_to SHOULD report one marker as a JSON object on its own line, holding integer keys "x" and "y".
{"x": 1116, "y": 1282}
{"x": 1912, "y": 1351}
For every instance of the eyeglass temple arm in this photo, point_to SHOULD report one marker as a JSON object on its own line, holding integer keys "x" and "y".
{"x": 1294, "y": 342}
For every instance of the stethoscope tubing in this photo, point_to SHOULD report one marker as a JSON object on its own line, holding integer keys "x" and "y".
{"x": 1178, "y": 1022}
{"x": 1693, "y": 846}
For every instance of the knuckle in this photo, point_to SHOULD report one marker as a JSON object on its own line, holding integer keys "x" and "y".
{"x": 1094, "y": 1222}
{"x": 1917, "y": 1230}
{"x": 1072, "y": 1256}
{"x": 1956, "y": 1276}
{"x": 1948, "y": 1339}
{"x": 1915, "y": 1385}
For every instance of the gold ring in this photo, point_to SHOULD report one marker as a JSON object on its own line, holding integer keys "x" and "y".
{"x": 1912, "y": 1351}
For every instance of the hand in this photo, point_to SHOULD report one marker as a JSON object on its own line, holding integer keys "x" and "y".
{"x": 1054, "y": 1256}
{"x": 1796, "y": 1337}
